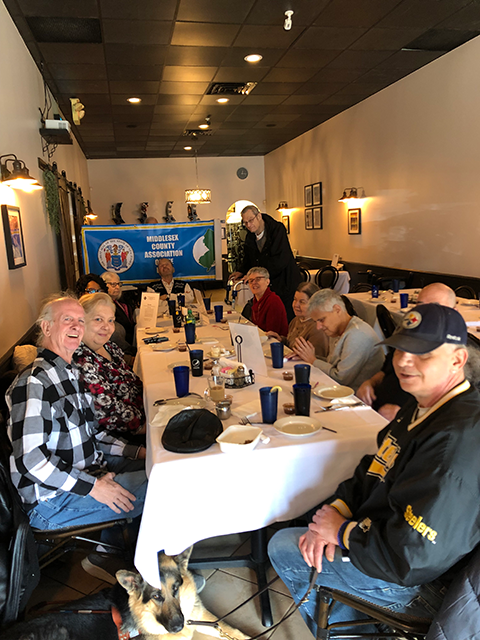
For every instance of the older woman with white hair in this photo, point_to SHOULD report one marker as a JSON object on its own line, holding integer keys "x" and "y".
{"x": 117, "y": 392}
{"x": 354, "y": 354}
{"x": 268, "y": 310}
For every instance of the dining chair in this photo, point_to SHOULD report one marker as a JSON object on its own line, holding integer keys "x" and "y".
{"x": 327, "y": 277}
{"x": 361, "y": 287}
{"x": 465, "y": 291}
{"x": 385, "y": 320}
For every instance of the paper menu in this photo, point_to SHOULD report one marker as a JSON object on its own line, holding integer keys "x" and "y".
{"x": 148, "y": 310}
{"x": 251, "y": 353}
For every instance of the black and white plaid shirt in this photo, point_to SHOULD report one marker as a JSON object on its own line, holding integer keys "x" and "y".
{"x": 53, "y": 430}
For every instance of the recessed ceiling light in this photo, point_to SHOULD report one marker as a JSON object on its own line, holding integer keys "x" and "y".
{"x": 134, "y": 100}
{"x": 187, "y": 148}
{"x": 203, "y": 126}
{"x": 253, "y": 57}
{"x": 222, "y": 100}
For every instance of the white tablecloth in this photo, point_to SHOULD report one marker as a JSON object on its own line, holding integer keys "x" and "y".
{"x": 197, "y": 496}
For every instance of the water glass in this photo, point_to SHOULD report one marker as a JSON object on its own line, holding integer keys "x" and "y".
{"x": 181, "y": 375}
{"x": 403, "y": 300}
{"x": 196, "y": 362}
{"x": 218, "y": 308}
{"x": 216, "y": 388}
{"x": 172, "y": 305}
{"x": 207, "y": 303}
{"x": 190, "y": 332}
{"x": 302, "y": 373}
{"x": 181, "y": 299}
{"x": 269, "y": 403}
{"x": 374, "y": 291}
{"x": 302, "y": 395}
{"x": 276, "y": 349}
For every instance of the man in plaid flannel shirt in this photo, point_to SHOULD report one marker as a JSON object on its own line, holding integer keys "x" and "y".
{"x": 65, "y": 473}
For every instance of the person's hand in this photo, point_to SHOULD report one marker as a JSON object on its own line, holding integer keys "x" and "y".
{"x": 109, "y": 492}
{"x": 274, "y": 334}
{"x": 366, "y": 392}
{"x": 312, "y": 546}
{"x": 326, "y": 522}
{"x": 142, "y": 453}
{"x": 305, "y": 350}
{"x": 165, "y": 297}
{"x": 389, "y": 411}
{"x": 236, "y": 275}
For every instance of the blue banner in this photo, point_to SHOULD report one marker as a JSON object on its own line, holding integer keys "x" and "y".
{"x": 133, "y": 251}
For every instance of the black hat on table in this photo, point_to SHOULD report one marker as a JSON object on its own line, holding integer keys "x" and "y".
{"x": 427, "y": 327}
{"x": 191, "y": 431}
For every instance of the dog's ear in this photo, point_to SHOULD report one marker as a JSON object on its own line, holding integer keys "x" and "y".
{"x": 130, "y": 581}
{"x": 182, "y": 558}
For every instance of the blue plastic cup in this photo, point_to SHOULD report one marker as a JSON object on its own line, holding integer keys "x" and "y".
{"x": 302, "y": 373}
{"x": 196, "y": 362}
{"x": 374, "y": 291}
{"x": 181, "y": 299}
{"x": 395, "y": 285}
{"x": 207, "y": 303}
{"x": 172, "y": 305}
{"x": 182, "y": 378}
{"x": 276, "y": 349}
{"x": 403, "y": 300}
{"x": 301, "y": 396}
{"x": 189, "y": 333}
{"x": 218, "y": 308}
{"x": 269, "y": 402}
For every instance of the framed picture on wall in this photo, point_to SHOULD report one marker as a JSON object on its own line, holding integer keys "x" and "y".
{"x": 354, "y": 221}
{"x": 317, "y": 194}
{"x": 308, "y": 218}
{"x": 12, "y": 228}
{"x": 308, "y": 195}
{"x": 286, "y": 223}
{"x": 317, "y": 218}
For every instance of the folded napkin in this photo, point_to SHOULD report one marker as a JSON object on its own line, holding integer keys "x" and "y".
{"x": 249, "y": 410}
{"x": 167, "y": 411}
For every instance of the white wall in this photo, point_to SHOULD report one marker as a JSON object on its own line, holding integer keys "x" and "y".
{"x": 157, "y": 180}
{"x": 415, "y": 147}
{"x": 21, "y": 94}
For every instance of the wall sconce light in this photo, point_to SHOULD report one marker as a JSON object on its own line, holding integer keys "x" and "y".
{"x": 352, "y": 194}
{"x": 18, "y": 176}
{"x": 283, "y": 207}
{"x": 90, "y": 216}
{"x": 197, "y": 196}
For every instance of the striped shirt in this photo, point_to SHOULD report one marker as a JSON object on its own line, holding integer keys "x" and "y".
{"x": 53, "y": 432}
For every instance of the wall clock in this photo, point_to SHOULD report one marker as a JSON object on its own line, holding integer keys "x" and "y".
{"x": 242, "y": 173}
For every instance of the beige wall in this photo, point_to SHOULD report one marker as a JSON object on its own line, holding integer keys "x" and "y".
{"x": 21, "y": 95}
{"x": 415, "y": 147}
{"x": 157, "y": 180}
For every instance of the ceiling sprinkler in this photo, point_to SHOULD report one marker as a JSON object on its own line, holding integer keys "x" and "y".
{"x": 287, "y": 25}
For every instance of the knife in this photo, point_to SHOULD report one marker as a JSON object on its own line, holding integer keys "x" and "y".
{"x": 336, "y": 407}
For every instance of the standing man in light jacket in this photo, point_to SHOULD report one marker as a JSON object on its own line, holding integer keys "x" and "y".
{"x": 267, "y": 245}
{"x": 409, "y": 517}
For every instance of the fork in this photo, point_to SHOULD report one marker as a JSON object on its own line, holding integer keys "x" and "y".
{"x": 244, "y": 420}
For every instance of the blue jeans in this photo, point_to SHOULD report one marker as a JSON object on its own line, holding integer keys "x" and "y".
{"x": 422, "y": 600}
{"x": 70, "y": 509}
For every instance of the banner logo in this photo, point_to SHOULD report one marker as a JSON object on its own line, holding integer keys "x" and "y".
{"x": 116, "y": 255}
{"x": 204, "y": 250}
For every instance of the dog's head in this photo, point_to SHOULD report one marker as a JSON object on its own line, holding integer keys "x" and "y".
{"x": 161, "y": 611}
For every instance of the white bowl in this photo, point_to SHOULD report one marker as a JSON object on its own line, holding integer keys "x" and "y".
{"x": 239, "y": 439}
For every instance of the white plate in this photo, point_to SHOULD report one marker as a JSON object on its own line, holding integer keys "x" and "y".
{"x": 183, "y": 363}
{"x": 206, "y": 341}
{"x": 297, "y": 426}
{"x": 164, "y": 346}
{"x": 334, "y": 393}
{"x": 224, "y": 353}
{"x": 152, "y": 331}
{"x": 267, "y": 352}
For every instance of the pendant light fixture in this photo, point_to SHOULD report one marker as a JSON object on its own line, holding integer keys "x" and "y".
{"x": 197, "y": 195}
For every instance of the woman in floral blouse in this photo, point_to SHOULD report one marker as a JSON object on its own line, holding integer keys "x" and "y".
{"x": 116, "y": 390}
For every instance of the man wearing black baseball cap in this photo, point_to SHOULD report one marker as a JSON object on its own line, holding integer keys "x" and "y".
{"x": 410, "y": 515}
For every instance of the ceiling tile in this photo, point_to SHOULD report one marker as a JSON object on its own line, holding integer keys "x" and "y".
{"x": 211, "y": 101}
{"x": 129, "y": 54}
{"x": 329, "y": 38}
{"x": 427, "y": 13}
{"x": 409, "y": 60}
{"x": 289, "y": 75}
{"x": 79, "y": 71}
{"x": 66, "y": 8}
{"x": 98, "y": 99}
{"x": 307, "y": 58}
{"x": 144, "y": 10}
{"x": 82, "y": 86}
{"x": 330, "y": 74}
{"x": 466, "y": 18}
{"x": 173, "y": 109}
{"x": 386, "y": 39}
{"x": 142, "y": 32}
{"x": 352, "y": 13}
{"x": 133, "y": 88}
{"x": 322, "y": 89}
{"x": 239, "y": 74}
{"x": 204, "y": 35}
{"x": 273, "y": 13}
{"x": 272, "y": 88}
{"x": 234, "y": 57}
{"x": 189, "y": 74}
{"x": 195, "y": 56}
{"x": 252, "y": 99}
{"x": 178, "y": 99}
{"x": 184, "y": 87}
{"x": 305, "y": 99}
{"x": 124, "y": 72}
{"x": 72, "y": 53}
{"x": 359, "y": 59}
{"x": 269, "y": 36}
{"x": 229, "y": 11}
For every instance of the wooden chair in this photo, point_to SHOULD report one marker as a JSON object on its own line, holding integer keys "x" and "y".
{"x": 326, "y": 277}
{"x": 464, "y": 291}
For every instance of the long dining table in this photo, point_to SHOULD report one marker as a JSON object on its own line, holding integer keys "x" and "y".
{"x": 192, "y": 497}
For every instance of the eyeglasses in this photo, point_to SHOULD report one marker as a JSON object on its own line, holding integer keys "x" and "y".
{"x": 92, "y": 290}
{"x": 246, "y": 223}
{"x": 114, "y": 284}
{"x": 255, "y": 280}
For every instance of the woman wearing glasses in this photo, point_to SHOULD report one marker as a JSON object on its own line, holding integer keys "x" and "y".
{"x": 89, "y": 283}
{"x": 268, "y": 311}
{"x": 266, "y": 245}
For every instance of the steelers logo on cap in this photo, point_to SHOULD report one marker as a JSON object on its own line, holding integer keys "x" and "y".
{"x": 412, "y": 320}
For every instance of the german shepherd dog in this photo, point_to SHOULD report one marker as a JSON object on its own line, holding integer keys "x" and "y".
{"x": 146, "y": 612}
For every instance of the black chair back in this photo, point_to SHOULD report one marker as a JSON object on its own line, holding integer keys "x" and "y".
{"x": 327, "y": 277}
{"x": 361, "y": 287}
{"x": 305, "y": 275}
{"x": 385, "y": 320}
{"x": 348, "y": 305}
{"x": 464, "y": 291}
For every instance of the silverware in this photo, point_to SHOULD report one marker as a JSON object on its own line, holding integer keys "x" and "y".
{"x": 165, "y": 400}
{"x": 337, "y": 407}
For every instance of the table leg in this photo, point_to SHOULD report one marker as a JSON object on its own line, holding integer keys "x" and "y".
{"x": 257, "y": 560}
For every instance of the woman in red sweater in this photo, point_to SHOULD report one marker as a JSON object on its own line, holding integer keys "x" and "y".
{"x": 268, "y": 310}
